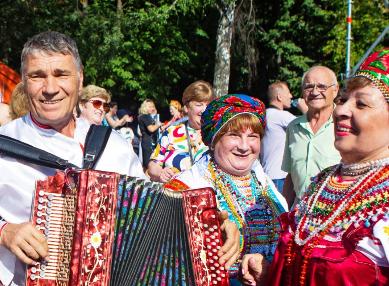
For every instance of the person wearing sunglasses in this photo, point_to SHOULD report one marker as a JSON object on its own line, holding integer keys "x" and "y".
{"x": 93, "y": 104}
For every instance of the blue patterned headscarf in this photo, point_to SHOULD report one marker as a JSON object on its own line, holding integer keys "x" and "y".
{"x": 223, "y": 109}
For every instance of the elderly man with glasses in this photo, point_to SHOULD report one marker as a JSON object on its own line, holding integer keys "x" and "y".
{"x": 309, "y": 146}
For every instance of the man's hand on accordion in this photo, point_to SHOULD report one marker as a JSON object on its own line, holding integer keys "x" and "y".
{"x": 25, "y": 241}
{"x": 229, "y": 252}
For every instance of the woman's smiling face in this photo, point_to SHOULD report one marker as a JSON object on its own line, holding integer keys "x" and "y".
{"x": 361, "y": 120}
{"x": 236, "y": 152}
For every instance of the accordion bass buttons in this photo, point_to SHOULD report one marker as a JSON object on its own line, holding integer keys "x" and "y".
{"x": 213, "y": 242}
{"x": 38, "y": 272}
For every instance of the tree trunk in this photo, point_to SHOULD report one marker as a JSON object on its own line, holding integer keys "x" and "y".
{"x": 119, "y": 7}
{"x": 223, "y": 46}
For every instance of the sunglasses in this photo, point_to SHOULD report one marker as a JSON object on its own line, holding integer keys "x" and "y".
{"x": 98, "y": 103}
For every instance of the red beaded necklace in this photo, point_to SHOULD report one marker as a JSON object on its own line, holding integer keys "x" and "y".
{"x": 361, "y": 202}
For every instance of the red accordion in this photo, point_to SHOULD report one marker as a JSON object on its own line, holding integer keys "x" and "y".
{"x": 106, "y": 229}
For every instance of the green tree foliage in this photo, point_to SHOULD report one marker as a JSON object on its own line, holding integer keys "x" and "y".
{"x": 292, "y": 35}
{"x": 133, "y": 53}
{"x": 155, "y": 48}
{"x": 144, "y": 51}
{"x": 369, "y": 18}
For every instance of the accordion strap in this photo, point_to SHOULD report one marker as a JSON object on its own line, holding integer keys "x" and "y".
{"x": 20, "y": 150}
{"x": 95, "y": 142}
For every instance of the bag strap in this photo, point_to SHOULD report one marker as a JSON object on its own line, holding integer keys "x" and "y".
{"x": 95, "y": 142}
{"x": 20, "y": 150}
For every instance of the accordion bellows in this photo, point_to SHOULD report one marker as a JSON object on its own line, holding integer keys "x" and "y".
{"x": 107, "y": 229}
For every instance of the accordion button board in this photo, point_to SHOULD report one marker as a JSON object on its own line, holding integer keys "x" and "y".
{"x": 55, "y": 220}
{"x": 205, "y": 238}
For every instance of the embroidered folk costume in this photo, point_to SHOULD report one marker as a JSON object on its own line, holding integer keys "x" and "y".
{"x": 252, "y": 201}
{"x": 339, "y": 233}
{"x": 252, "y": 206}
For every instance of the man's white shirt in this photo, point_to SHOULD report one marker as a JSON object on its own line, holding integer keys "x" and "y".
{"x": 17, "y": 179}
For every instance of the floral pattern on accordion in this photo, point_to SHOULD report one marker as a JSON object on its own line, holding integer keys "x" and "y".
{"x": 99, "y": 211}
{"x": 204, "y": 233}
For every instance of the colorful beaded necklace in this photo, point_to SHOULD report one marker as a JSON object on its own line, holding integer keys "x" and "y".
{"x": 251, "y": 208}
{"x": 335, "y": 207}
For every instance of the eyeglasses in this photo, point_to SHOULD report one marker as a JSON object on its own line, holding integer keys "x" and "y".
{"x": 309, "y": 87}
{"x": 98, "y": 103}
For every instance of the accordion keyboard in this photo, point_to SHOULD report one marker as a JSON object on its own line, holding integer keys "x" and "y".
{"x": 213, "y": 242}
{"x": 55, "y": 218}
{"x": 205, "y": 236}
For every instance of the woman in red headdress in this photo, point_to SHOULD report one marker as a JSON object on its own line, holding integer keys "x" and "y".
{"x": 339, "y": 234}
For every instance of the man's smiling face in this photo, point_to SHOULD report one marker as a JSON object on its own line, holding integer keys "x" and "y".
{"x": 52, "y": 83}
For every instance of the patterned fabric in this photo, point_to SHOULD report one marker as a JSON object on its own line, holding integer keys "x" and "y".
{"x": 376, "y": 68}
{"x": 252, "y": 204}
{"x": 176, "y": 185}
{"x": 173, "y": 150}
{"x": 340, "y": 230}
{"x": 224, "y": 108}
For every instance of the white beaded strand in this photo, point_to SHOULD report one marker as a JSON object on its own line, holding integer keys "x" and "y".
{"x": 357, "y": 169}
{"x": 352, "y": 187}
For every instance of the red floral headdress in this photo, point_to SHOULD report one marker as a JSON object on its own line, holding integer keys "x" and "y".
{"x": 376, "y": 68}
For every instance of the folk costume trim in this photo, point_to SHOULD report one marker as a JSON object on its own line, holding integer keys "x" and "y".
{"x": 253, "y": 208}
{"x": 176, "y": 185}
{"x": 332, "y": 209}
{"x": 376, "y": 68}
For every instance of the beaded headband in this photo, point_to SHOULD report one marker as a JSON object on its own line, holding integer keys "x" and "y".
{"x": 224, "y": 108}
{"x": 376, "y": 68}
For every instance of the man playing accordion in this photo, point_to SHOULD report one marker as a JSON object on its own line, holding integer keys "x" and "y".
{"x": 52, "y": 74}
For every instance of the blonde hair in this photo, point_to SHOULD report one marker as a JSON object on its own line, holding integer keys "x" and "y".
{"x": 176, "y": 104}
{"x": 18, "y": 105}
{"x": 91, "y": 91}
{"x": 143, "y": 106}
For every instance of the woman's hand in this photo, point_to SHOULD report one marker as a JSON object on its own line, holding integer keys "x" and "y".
{"x": 166, "y": 174}
{"x": 253, "y": 269}
{"x": 302, "y": 106}
{"x": 229, "y": 252}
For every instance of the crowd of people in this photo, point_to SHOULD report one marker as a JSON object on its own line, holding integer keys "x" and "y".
{"x": 304, "y": 199}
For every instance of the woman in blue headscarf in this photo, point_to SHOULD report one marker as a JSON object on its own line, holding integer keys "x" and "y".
{"x": 232, "y": 127}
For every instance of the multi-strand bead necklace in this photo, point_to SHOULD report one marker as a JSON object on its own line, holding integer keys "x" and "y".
{"x": 334, "y": 207}
{"x": 251, "y": 208}
{"x": 357, "y": 169}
